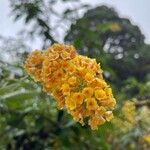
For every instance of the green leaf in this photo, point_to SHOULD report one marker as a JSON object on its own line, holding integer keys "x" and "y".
{"x": 21, "y": 96}
{"x": 8, "y": 88}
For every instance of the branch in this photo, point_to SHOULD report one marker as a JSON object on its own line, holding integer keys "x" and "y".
{"x": 142, "y": 103}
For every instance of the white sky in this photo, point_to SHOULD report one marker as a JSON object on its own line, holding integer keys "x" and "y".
{"x": 137, "y": 10}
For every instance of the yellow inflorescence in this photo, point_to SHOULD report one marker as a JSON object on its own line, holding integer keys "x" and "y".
{"x": 129, "y": 111}
{"x": 126, "y": 120}
{"x": 75, "y": 81}
{"x": 147, "y": 138}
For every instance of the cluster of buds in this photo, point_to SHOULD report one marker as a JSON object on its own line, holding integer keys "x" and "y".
{"x": 75, "y": 81}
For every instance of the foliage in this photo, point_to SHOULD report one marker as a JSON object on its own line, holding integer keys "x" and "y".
{"x": 38, "y": 16}
{"x": 115, "y": 41}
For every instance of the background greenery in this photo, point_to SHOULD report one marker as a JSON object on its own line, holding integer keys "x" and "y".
{"x": 29, "y": 118}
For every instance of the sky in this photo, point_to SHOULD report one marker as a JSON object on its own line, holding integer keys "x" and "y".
{"x": 137, "y": 10}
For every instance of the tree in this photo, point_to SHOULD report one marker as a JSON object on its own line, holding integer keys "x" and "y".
{"x": 113, "y": 40}
{"x": 43, "y": 19}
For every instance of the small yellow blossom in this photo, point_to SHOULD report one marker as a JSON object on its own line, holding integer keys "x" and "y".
{"x": 89, "y": 77}
{"x": 95, "y": 121}
{"x": 98, "y": 82}
{"x": 81, "y": 71}
{"x": 70, "y": 103}
{"x": 147, "y": 138}
{"x": 100, "y": 94}
{"x": 72, "y": 80}
{"x": 128, "y": 111}
{"x": 65, "y": 55}
{"x": 53, "y": 56}
{"x": 59, "y": 98}
{"x": 34, "y": 65}
{"x": 91, "y": 104}
{"x": 88, "y": 91}
{"x": 109, "y": 115}
{"x": 65, "y": 89}
{"x": 100, "y": 111}
{"x": 55, "y": 64}
{"x": 58, "y": 74}
{"x": 78, "y": 98}
{"x": 70, "y": 68}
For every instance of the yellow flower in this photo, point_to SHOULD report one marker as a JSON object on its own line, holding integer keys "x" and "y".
{"x": 72, "y": 80}
{"x": 70, "y": 103}
{"x": 58, "y": 74}
{"x": 91, "y": 104}
{"x": 65, "y": 55}
{"x": 33, "y": 65}
{"x": 78, "y": 114}
{"x": 109, "y": 92}
{"x": 70, "y": 68}
{"x": 100, "y": 94}
{"x": 78, "y": 98}
{"x": 100, "y": 111}
{"x": 60, "y": 102}
{"x": 46, "y": 71}
{"x": 81, "y": 71}
{"x": 109, "y": 102}
{"x": 65, "y": 89}
{"x": 95, "y": 121}
{"x": 88, "y": 92}
{"x": 109, "y": 115}
{"x": 147, "y": 138}
{"x": 55, "y": 64}
{"x": 100, "y": 83}
{"x": 88, "y": 77}
{"x": 59, "y": 99}
{"x": 128, "y": 111}
{"x": 53, "y": 56}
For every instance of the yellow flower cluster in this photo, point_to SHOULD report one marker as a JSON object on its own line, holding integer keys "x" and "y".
{"x": 134, "y": 116}
{"x": 147, "y": 138}
{"x": 75, "y": 81}
{"x": 129, "y": 111}
{"x": 34, "y": 65}
{"x": 126, "y": 120}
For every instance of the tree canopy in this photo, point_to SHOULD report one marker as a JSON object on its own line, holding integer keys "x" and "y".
{"x": 115, "y": 41}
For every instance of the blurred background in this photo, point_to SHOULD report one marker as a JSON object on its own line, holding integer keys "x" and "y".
{"x": 114, "y": 32}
